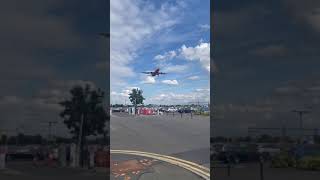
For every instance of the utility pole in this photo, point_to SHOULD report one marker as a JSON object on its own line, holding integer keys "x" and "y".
{"x": 50, "y": 123}
{"x": 300, "y": 114}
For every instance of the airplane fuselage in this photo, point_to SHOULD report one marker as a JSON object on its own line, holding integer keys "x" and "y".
{"x": 156, "y": 72}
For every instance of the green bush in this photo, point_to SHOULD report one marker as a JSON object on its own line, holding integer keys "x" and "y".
{"x": 309, "y": 163}
{"x": 283, "y": 160}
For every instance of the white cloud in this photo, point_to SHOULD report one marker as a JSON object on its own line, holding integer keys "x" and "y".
{"x": 199, "y": 53}
{"x": 169, "y": 68}
{"x": 132, "y": 24}
{"x": 68, "y": 84}
{"x": 193, "y": 77}
{"x": 170, "y": 82}
{"x": 204, "y": 27}
{"x": 306, "y": 12}
{"x": 181, "y": 98}
{"x": 122, "y": 96}
{"x": 313, "y": 18}
{"x": 166, "y": 56}
{"x": 10, "y": 100}
{"x": 202, "y": 90}
{"x": 149, "y": 80}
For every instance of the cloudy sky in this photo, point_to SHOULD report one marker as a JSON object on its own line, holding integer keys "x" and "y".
{"x": 267, "y": 54}
{"x": 47, "y": 47}
{"x": 173, "y": 35}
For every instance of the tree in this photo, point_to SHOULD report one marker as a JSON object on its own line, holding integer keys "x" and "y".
{"x": 136, "y": 97}
{"x": 84, "y": 114}
{"x": 3, "y": 139}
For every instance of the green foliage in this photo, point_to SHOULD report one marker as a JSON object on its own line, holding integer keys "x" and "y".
{"x": 283, "y": 160}
{"x": 136, "y": 97}
{"x": 309, "y": 163}
{"x": 85, "y": 103}
{"x": 3, "y": 139}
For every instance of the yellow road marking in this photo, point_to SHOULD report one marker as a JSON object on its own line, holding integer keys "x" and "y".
{"x": 191, "y": 166}
{"x": 165, "y": 156}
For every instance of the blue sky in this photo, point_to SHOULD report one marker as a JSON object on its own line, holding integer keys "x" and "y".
{"x": 171, "y": 35}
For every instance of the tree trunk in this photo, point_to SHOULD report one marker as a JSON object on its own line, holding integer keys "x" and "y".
{"x": 80, "y": 142}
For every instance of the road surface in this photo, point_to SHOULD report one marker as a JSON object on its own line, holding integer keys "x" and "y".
{"x": 186, "y": 138}
{"x": 22, "y": 170}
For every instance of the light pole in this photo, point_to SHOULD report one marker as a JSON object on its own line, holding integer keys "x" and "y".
{"x": 50, "y": 123}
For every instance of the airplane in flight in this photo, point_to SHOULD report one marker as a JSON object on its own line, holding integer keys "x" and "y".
{"x": 155, "y": 72}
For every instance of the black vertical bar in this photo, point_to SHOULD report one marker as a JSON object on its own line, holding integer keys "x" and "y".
{"x": 108, "y": 85}
{"x": 211, "y": 83}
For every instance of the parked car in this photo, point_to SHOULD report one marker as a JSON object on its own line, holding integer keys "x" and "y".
{"x": 185, "y": 110}
{"x": 162, "y": 110}
{"x": 269, "y": 150}
{"x": 118, "y": 109}
{"x": 232, "y": 153}
{"x": 20, "y": 152}
{"x": 172, "y": 109}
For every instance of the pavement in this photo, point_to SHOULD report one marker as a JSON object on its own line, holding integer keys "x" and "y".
{"x": 128, "y": 167}
{"x": 183, "y": 137}
{"x": 252, "y": 171}
{"x": 21, "y": 170}
{"x": 161, "y": 134}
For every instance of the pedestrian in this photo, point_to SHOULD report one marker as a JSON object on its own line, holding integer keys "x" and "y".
{"x": 91, "y": 157}
{"x": 36, "y": 157}
{"x": 68, "y": 155}
{"x": 50, "y": 158}
{"x": 3, "y": 151}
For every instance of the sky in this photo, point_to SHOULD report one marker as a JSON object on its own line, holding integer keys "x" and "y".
{"x": 173, "y": 35}
{"x": 46, "y": 48}
{"x": 267, "y": 56}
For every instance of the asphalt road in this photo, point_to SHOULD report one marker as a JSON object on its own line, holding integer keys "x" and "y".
{"x": 22, "y": 170}
{"x": 252, "y": 171}
{"x": 141, "y": 168}
{"x": 182, "y": 137}
{"x": 186, "y": 137}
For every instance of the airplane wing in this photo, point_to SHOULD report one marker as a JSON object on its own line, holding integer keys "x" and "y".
{"x": 162, "y": 73}
{"x": 146, "y": 72}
